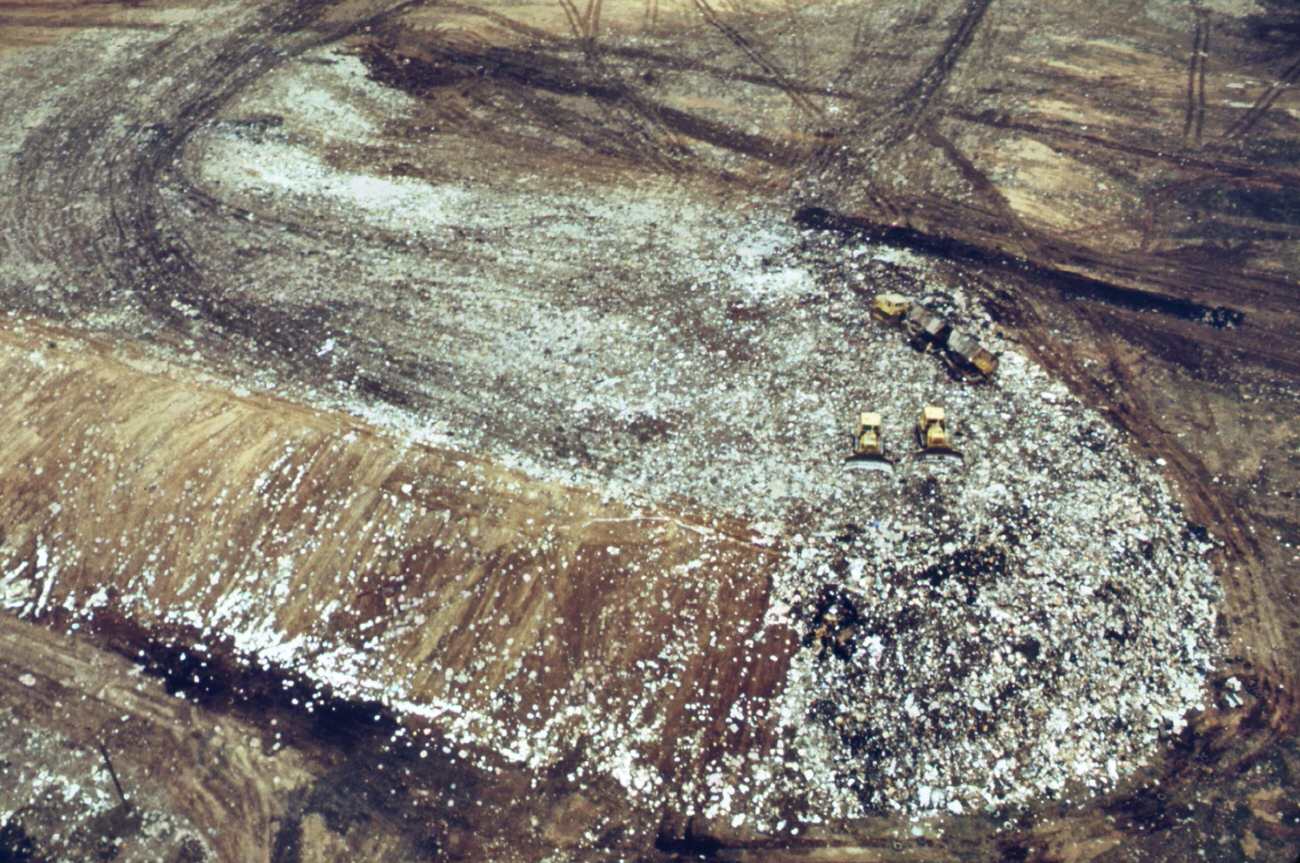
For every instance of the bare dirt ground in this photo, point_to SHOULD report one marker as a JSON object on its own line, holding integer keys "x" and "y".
{"x": 423, "y": 426}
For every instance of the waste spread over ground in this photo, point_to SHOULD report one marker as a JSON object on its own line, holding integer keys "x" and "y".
{"x": 1036, "y": 617}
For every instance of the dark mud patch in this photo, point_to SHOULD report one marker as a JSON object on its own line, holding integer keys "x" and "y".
{"x": 1146, "y": 809}
{"x": 15, "y": 845}
{"x": 382, "y": 768}
{"x": 1069, "y": 284}
{"x": 690, "y": 846}
{"x": 1276, "y": 29}
{"x": 1267, "y": 204}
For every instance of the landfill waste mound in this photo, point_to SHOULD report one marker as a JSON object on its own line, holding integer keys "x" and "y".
{"x": 549, "y": 469}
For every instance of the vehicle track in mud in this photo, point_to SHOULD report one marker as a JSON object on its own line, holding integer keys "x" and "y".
{"x": 1194, "y": 120}
{"x": 88, "y": 182}
{"x": 1243, "y": 126}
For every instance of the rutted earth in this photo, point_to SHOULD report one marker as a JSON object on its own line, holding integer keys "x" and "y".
{"x": 441, "y": 435}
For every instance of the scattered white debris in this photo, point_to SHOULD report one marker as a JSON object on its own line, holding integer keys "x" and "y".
{"x": 1041, "y": 616}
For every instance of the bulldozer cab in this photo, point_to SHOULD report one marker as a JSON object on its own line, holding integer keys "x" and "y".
{"x": 890, "y": 307}
{"x": 869, "y": 432}
{"x": 926, "y": 330}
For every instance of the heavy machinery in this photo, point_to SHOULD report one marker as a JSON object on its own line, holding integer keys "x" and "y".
{"x": 964, "y": 354}
{"x": 926, "y": 330}
{"x": 890, "y": 307}
{"x": 867, "y": 451}
{"x": 930, "y": 332}
{"x": 933, "y": 435}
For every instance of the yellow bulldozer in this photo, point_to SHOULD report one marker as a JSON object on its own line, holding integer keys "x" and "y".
{"x": 890, "y": 307}
{"x": 933, "y": 435}
{"x": 868, "y": 454}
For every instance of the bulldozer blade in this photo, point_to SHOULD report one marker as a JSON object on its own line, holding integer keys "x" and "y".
{"x": 871, "y": 463}
{"x": 940, "y": 454}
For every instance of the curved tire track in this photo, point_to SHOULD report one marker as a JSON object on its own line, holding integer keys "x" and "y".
{"x": 86, "y": 197}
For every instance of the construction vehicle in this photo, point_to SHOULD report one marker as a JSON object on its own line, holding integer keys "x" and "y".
{"x": 965, "y": 354}
{"x": 867, "y": 451}
{"x": 933, "y": 435}
{"x": 930, "y": 332}
{"x": 926, "y": 330}
{"x": 890, "y": 307}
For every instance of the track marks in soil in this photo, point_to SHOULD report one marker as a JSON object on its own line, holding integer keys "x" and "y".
{"x": 911, "y": 109}
{"x": 1194, "y": 117}
{"x": 883, "y": 132}
{"x": 125, "y": 244}
{"x": 760, "y": 59}
{"x": 985, "y": 188}
{"x": 1248, "y": 121}
{"x": 584, "y": 24}
{"x": 935, "y": 77}
{"x": 543, "y": 73}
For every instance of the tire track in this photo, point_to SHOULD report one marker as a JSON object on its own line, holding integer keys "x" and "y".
{"x": 1256, "y": 112}
{"x": 1194, "y": 116}
{"x": 769, "y": 66}
{"x": 1084, "y": 142}
{"x": 910, "y": 110}
{"x": 917, "y": 98}
{"x": 884, "y": 132}
{"x": 997, "y": 203}
{"x": 87, "y": 197}
{"x": 541, "y": 73}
